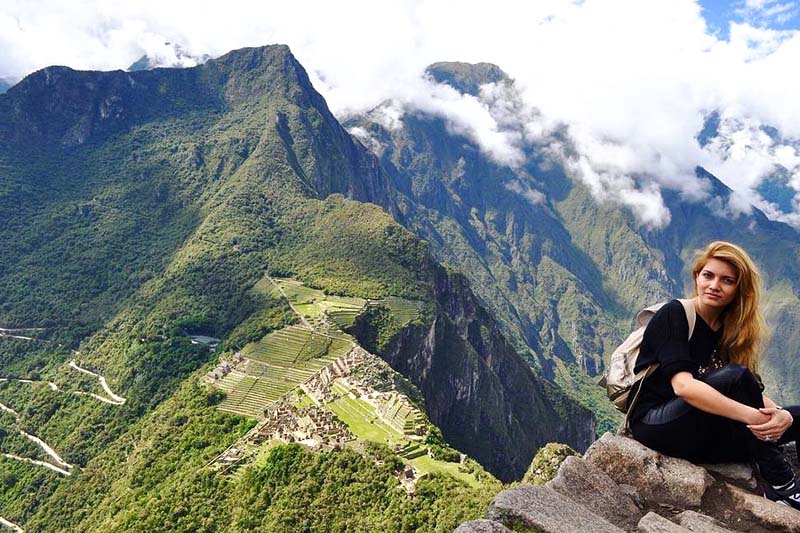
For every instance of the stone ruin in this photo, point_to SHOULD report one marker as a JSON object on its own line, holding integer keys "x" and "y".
{"x": 621, "y": 485}
{"x": 311, "y": 426}
{"x": 318, "y": 386}
{"x": 224, "y": 368}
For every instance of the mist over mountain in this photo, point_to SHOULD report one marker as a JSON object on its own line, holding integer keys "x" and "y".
{"x": 562, "y": 269}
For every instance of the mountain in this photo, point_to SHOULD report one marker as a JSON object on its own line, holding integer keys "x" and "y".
{"x": 141, "y": 211}
{"x": 171, "y": 56}
{"x": 5, "y": 85}
{"x": 563, "y": 272}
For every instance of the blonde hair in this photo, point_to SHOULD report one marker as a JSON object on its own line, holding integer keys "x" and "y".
{"x": 744, "y": 329}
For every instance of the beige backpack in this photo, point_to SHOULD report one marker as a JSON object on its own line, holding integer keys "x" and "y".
{"x": 619, "y": 378}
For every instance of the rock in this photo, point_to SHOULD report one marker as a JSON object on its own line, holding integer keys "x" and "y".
{"x": 482, "y": 526}
{"x": 543, "y": 509}
{"x": 745, "y": 511}
{"x": 546, "y": 463}
{"x": 699, "y": 522}
{"x": 659, "y": 479}
{"x": 740, "y": 474}
{"x": 653, "y": 523}
{"x": 587, "y": 485}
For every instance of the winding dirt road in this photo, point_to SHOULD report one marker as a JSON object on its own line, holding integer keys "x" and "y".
{"x": 42, "y": 444}
{"x": 114, "y": 399}
{"x": 11, "y": 525}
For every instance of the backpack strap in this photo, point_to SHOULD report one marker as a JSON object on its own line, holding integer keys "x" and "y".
{"x": 691, "y": 313}
{"x": 691, "y": 318}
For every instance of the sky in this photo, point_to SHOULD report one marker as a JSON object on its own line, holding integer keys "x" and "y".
{"x": 633, "y": 81}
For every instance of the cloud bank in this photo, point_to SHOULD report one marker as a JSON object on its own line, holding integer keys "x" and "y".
{"x": 632, "y": 80}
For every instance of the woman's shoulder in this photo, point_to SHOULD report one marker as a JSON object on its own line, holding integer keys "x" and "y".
{"x": 671, "y": 316}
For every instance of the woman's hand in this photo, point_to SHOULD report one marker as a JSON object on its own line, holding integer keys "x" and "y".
{"x": 780, "y": 420}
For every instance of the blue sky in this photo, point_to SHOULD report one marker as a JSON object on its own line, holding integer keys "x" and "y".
{"x": 774, "y": 14}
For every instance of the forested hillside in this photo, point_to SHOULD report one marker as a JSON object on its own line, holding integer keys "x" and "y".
{"x": 139, "y": 211}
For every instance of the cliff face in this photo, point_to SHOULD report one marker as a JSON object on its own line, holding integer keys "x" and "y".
{"x": 478, "y": 390}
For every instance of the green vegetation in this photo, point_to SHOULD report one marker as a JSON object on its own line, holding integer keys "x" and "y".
{"x": 362, "y": 419}
{"x": 585, "y": 391}
{"x": 545, "y": 464}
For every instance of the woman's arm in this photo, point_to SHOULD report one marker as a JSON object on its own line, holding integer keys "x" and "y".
{"x": 780, "y": 420}
{"x": 706, "y": 398}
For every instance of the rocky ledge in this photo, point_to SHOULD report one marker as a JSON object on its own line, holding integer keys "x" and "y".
{"x": 621, "y": 485}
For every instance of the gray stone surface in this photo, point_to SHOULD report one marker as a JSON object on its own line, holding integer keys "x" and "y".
{"x": 482, "y": 526}
{"x": 745, "y": 511}
{"x": 737, "y": 473}
{"x": 545, "y": 510}
{"x": 659, "y": 479}
{"x": 653, "y": 523}
{"x": 587, "y": 485}
{"x": 701, "y": 523}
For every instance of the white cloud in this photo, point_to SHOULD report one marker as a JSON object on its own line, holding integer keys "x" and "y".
{"x": 533, "y": 196}
{"x": 764, "y": 12}
{"x": 631, "y": 79}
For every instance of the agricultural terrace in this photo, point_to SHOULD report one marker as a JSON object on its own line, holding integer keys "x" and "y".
{"x": 313, "y": 304}
{"x": 275, "y": 365}
{"x": 404, "y": 311}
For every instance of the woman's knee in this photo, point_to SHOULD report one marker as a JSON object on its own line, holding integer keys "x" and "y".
{"x": 736, "y": 381}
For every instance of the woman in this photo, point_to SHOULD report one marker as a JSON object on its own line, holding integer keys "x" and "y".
{"x": 704, "y": 402}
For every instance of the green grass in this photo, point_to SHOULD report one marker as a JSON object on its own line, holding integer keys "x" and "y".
{"x": 426, "y": 464}
{"x": 266, "y": 287}
{"x": 362, "y": 419}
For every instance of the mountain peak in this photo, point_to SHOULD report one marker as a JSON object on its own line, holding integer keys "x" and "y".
{"x": 466, "y": 78}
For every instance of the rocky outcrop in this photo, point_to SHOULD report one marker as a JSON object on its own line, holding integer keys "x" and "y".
{"x": 621, "y": 485}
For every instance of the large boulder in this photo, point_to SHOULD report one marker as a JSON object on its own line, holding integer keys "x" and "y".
{"x": 659, "y": 479}
{"x": 699, "y": 522}
{"x": 655, "y": 523}
{"x": 587, "y": 485}
{"x": 545, "y": 510}
{"x": 744, "y": 511}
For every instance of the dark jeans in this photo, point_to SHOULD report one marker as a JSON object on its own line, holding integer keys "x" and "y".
{"x": 676, "y": 428}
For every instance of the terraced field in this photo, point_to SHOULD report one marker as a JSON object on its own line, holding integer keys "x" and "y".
{"x": 303, "y": 299}
{"x": 248, "y": 395}
{"x": 265, "y": 286}
{"x": 403, "y": 417}
{"x": 404, "y": 311}
{"x": 275, "y": 365}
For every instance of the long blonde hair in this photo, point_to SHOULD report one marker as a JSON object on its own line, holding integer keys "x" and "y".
{"x": 744, "y": 329}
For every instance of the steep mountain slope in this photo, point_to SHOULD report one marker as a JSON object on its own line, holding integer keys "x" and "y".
{"x": 562, "y": 271}
{"x": 142, "y": 207}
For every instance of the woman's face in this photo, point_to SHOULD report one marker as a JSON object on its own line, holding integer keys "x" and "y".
{"x": 716, "y": 283}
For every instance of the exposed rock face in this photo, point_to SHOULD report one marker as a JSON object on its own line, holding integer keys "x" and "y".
{"x": 658, "y": 478}
{"x": 621, "y": 485}
{"x": 478, "y": 390}
{"x": 544, "y": 509}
